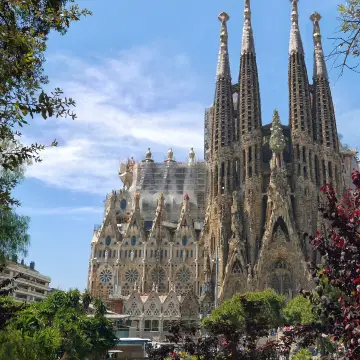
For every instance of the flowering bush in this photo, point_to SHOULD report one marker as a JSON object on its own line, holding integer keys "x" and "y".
{"x": 336, "y": 297}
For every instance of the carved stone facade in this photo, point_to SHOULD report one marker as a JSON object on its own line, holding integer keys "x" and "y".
{"x": 202, "y": 231}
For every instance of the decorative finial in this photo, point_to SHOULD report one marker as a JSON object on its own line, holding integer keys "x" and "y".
{"x": 320, "y": 69}
{"x": 315, "y": 18}
{"x": 223, "y": 68}
{"x": 186, "y": 197}
{"x": 161, "y": 197}
{"x": 295, "y": 37}
{"x": 191, "y": 156}
{"x": 223, "y": 17}
{"x": 277, "y": 139}
{"x": 170, "y": 154}
{"x": 153, "y": 287}
{"x": 148, "y": 156}
{"x": 294, "y": 12}
{"x": 247, "y": 11}
{"x": 248, "y": 45}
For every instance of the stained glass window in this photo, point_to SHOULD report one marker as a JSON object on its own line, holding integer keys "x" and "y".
{"x": 133, "y": 241}
{"x": 108, "y": 240}
{"x": 123, "y": 204}
{"x": 184, "y": 240}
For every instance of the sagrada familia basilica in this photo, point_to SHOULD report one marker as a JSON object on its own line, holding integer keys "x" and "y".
{"x": 180, "y": 237}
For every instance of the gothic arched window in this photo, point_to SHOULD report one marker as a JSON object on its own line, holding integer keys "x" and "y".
{"x": 184, "y": 240}
{"x": 133, "y": 240}
{"x": 108, "y": 240}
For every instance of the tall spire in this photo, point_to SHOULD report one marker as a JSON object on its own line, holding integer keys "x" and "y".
{"x": 223, "y": 68}
{"x": 248, "y": 45}
{"x": 223, "y": 116}
{"x": 324, "y": 113}
{"x": 249, "y": 109}
{"x": 319, "y": 60}
{"x": 300, "y": 108}
{"x": 295, "y": 45}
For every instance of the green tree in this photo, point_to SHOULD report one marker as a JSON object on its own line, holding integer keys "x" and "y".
{"x": 303, "y": 354}
{"x": 347, "y": 46}
{"x": 246, "y": 318}
{"x": 58, "y": 328}
{"x": 299, "y": 311}
{"x": 24, "y": 29}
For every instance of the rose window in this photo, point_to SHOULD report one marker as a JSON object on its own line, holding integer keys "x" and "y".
{"x": 105, "y": 276}
{"x": 131, "y": 275}
{"x": 158, "y": 275}
{"x": 184, "y": 275}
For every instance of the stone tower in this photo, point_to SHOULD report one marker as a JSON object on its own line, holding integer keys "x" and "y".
{"x": 250, "y": 140}
{"x": 221, "y": 158}
{"x": 275, "y": 175}
{"x": 327, "y": 161}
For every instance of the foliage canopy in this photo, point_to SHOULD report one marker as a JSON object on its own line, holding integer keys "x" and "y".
{"x": 58, "y": 328}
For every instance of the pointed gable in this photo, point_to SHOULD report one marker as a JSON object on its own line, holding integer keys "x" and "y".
{"x": 108, "y": 228}
{"x": 134, "y": 305}
{"x": 185, "y": 229}
{"x": 190, "y": 306}
{"x": 135, "y": 224}
{"x": 152, "y": 305}
{"x": 171, "y": 305}
{"x": 158, "y": 231}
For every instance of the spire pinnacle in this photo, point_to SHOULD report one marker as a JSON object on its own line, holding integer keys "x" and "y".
{"x": 319, "y": 60}
{"x": 295, "y": 37}
{"x": 277, "y": 140}
{"x": 223, "y": 69}
{"x": 248, "y": 45}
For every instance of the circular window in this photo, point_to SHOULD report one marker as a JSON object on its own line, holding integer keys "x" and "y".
{"x": 123, "y": 204}
{"x": 158, "y": 275}
{"x": 105, "y": 276}
{"x": 184, "y": 275}
{"x": 184, "y": 240}
{"x": 133, "y": 241}
{"x": 108, "y": 241}
{"x": 131, "y": 275}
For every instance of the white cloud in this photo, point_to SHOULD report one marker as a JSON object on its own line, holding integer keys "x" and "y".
{"x": 61, "y": 211}
{"x": 124, "y": 105}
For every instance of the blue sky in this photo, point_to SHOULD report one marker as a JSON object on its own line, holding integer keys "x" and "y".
{"x": 142, "y": 73}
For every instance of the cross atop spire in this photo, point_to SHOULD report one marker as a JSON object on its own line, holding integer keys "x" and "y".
{"x": 248, "y": 45}
{"x": 319, "y": 60}
{"x": 223, "y": 69}
{"x": 296, "y": 45}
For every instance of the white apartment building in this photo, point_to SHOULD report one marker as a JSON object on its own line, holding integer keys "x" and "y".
{"x": 31, "y": 286}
